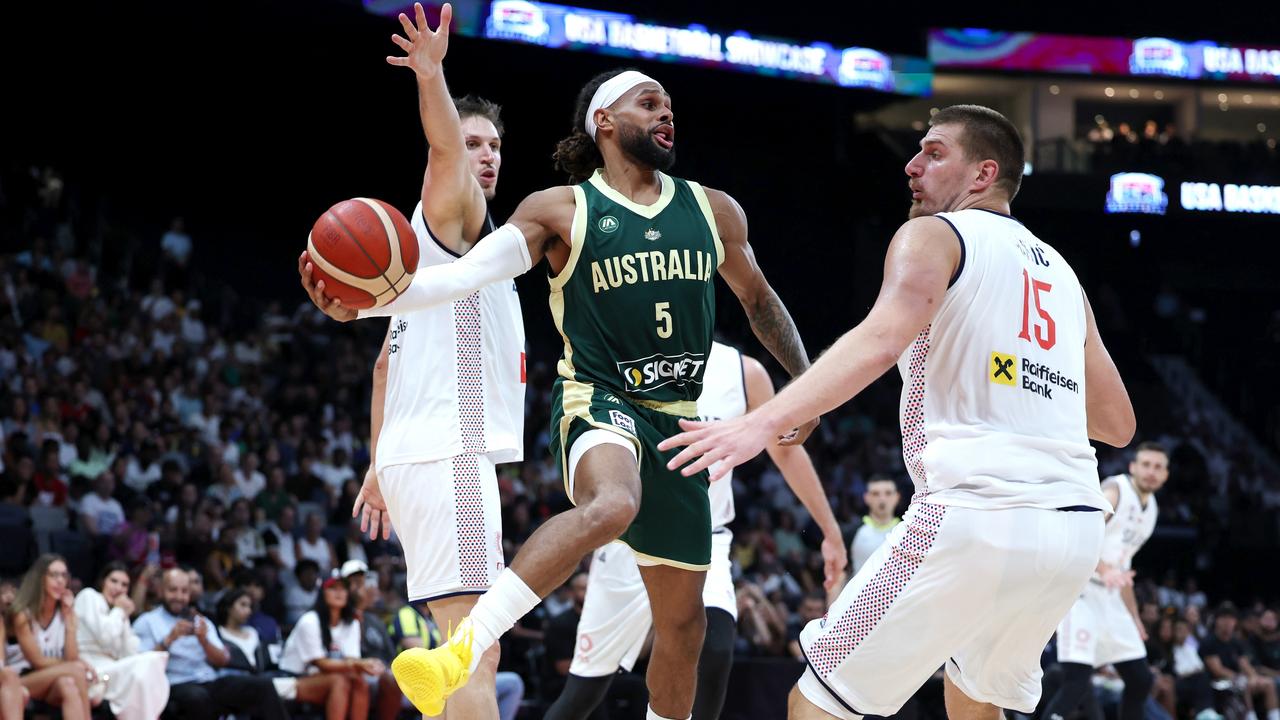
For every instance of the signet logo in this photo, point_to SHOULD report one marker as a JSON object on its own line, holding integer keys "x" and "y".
{"x": 607, "y": 224}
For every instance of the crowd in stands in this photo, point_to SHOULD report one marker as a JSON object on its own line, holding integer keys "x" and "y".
{"x": 177, "y": 476}
{"x": 1165, "y": 150}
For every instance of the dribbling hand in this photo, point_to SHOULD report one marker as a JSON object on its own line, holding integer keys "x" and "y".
{"x": 835, "y": 558}
{"x": 425, "y": 48}
{"x": 332, "y": 307}
{"x": 727, "y": 442}
{"x": 797, "y": 436}
{"x": 371, "y": 508}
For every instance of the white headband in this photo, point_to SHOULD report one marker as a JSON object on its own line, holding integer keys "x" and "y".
{"x": 609, "y": 92}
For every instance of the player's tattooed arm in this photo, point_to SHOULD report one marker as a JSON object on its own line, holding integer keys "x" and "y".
{"x": 770, "y": 321}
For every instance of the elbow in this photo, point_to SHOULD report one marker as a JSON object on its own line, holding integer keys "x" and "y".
{"x": 1118, "y": 432}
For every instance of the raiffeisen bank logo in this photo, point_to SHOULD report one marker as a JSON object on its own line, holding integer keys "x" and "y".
{"x": 656, "y": 371}
{"x": 1137, "y": 193}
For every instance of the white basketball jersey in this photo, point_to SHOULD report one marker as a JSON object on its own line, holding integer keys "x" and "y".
{"x": 1131, "y": 525}
{"x": 724, "y": 395}
{"x": 993, "y": 403}
{"x": 51, "y": 640}
{"x": 456, "y": 374}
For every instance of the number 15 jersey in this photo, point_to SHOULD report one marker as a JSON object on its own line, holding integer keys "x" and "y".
{"x": 993, "y": 396}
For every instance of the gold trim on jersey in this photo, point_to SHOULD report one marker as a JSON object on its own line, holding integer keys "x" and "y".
{"x": 577, "y": 238}
{"x": 575, "y": 402}
{"x": 655, "y": 560}
{"x": 679, "y": 408}
{"x": 705, "y": 204}
{"x": 648, "y": 212}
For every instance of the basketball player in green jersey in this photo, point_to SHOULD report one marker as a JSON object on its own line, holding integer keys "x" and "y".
{"x": 632, "y": 253}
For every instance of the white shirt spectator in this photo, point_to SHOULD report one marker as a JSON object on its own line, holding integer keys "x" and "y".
{"x": 158, "y": 306}
{"x": 333, "y": 476}
{"x": 107, "y": 514}
{"x": 318, "y": 551}
{"x": 297, "y": 600}
{"x": 274, "y": 537}
{"x": 1186, "y": 659}
{"x": 140, "y": 478}
{"x": 250, "y": 484}
{"x": 304, "y": 645}
{"x": 162, "y": 342}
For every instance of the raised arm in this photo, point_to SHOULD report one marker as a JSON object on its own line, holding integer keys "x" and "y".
{"x": 1107, "y": 406}
{"x": 449, "y": 190}
{"x": 770, "y": 321}
{"x": 797, "y": 469}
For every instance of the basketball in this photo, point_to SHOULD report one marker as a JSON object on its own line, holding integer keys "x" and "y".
{"x": 365, "y": 251}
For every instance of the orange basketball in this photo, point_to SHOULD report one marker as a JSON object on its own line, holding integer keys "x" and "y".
{"x": 365, "y": 251}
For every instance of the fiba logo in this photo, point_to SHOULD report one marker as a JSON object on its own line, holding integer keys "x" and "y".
{"x": 607, "y": 224}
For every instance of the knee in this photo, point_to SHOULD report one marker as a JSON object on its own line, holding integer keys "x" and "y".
{"x": 609, "y": 516}
{"x": 68, "y": 688}
{"x": 357, "y": 683}
{"x": 340, "y": 684}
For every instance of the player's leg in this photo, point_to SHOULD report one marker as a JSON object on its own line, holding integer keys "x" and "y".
{"x": 963, "y": 707}
{"x": 1076, "y": 683}
{"x": 611, "y": 632}
{"x": 714, "y": 664}
{"x": 607, "y": 493}
{"x": 679, "y": 625}
{"x": 478, "y": 698}
{"x": 800, "y": 707}
{"x": 1137, "y": 687}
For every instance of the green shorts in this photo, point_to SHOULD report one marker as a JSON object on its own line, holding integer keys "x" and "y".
{"x": 673, "y": 526}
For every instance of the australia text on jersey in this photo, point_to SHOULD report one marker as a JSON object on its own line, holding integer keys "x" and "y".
{"x": 397, "y": 330}
{"x": 651, "y": 266}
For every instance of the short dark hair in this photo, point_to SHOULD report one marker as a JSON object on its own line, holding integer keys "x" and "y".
{"x": 472, "y": 106}
{"x": 1151, "y": 446}
{"x": 988, "y": 135}
{"x": 881, "y": 477}
{"x": 1226, "y": 609}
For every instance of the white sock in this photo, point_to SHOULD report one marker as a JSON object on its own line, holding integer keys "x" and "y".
{"x": 1273, "y": 715}
{"x": 497, "y": 611}
{"x": 651, "y": 715}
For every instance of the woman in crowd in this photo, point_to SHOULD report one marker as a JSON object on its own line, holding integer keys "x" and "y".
{"x": 13, "y": 697}
{"x": 249, "y": 655}
{"x": 327, "y": 640}
{"x": 136, "y": 685}
{"x": 45, "y": 650}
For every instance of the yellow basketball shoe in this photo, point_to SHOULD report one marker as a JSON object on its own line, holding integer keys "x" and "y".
{"x": 429, "y": 677}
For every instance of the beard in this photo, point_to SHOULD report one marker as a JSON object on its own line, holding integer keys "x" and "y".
{"x": 639, "y": 144}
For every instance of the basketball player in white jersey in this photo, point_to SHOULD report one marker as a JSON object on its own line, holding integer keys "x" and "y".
{"x": 1005, "y": 380}
{"x": 1103, "y": 627}
{"x": 616, "y": 616}
{"x": 448, "y": 386}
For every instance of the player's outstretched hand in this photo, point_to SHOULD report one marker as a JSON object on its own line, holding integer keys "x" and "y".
{"x": 424, "y": 48}
{"x": 728, "y": 442}
{"x": 371, "y": 508}
{"x": 797, "y": 436}
{"x": 332, "y": 307}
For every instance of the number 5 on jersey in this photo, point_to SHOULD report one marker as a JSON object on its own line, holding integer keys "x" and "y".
{"x": 1032, "y": 288}
{"x": 663, "y": 318}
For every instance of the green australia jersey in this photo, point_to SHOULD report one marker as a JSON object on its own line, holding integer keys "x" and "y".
{"x": 635, "y": 303}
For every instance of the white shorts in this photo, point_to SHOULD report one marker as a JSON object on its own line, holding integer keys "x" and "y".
{"x": 615, "y": 615}
{"x": 980, "y": 591}
{"x": 449, "y": 520}
{"x": 1098, "y": 630}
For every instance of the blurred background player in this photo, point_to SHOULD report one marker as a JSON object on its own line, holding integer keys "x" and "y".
{"x": 1103, "y": 627}
{"x": 616, "y": 617}
{"x": 1006, "y": 524}
{"x": 882, "y": 499}
{"x": 448, "y": 386}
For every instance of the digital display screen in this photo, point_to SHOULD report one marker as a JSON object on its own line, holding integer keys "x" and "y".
{"x": 573, "y": 28}
{"x": 979, "y": 49}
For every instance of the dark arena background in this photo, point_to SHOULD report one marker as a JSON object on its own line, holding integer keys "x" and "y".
{"x": 171, "y": 381}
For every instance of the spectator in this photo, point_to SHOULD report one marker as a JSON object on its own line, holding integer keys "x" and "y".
{"x": 1227, "y": 658}
{"x": 301, "y": 593}
{"x": 279, "y": 541}
{"x": 1266, "y": 646}
{"x": 313, "y": 546}
{"x": 250, "y": 481}
{"x": 100, "y": 513}
{"x": 327, "y": 640}
{"x": 13, "y": 511}
{"x": 45, "y": 649}
{"x": 267, "y": 626}
{"x": 1191, "y": 681}
{"x": 226, "y": 490}
{"x": 812, "y": 607}
{"x": 13, "y": 696}
{"x": 882, "y": 500}
{"x": 195, "y": 653}
{"x": 136, "y": 686}
{"x": 759, "y": 621}
{"x": 249, "y": 656}
{"x": 375, "y": 642}
{"x": 409, "y": 629}
{"x": 144, "y": 469}
{"x": 133, "y": 540}
{"x": 251, "y": 548}
{"x": 562, "y": 633}
{"x": 49, "y": 482}
{"x": 274, "y": 498}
